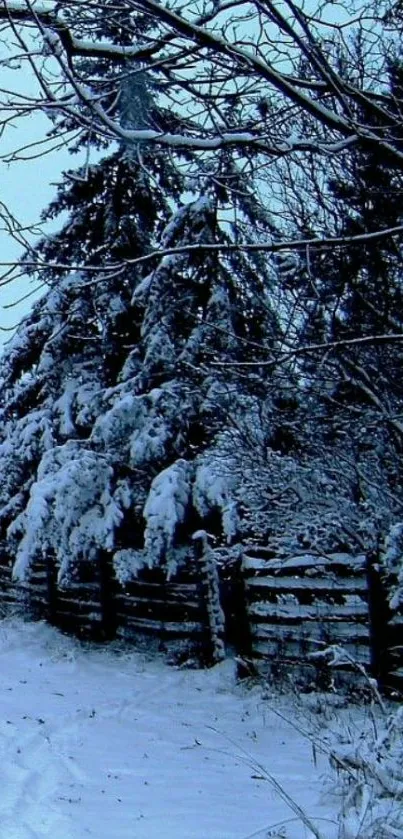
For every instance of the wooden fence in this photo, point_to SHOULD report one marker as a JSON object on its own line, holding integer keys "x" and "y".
{"x": 321, "y": 620}
{"x": 177, "y": 613}
{"x": 282, "y": 614}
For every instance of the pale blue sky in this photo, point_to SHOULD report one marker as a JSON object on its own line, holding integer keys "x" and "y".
{"x": 27, "y": 183}
{"x": 26, "y": 187}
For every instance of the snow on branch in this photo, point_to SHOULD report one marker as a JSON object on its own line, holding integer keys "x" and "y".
{"x": 166, "y": 508}
{"x": 271, "y": 247}
{"x": 213, "y": 490}
{"x": 371, "y": 340}
{"x": 219, "y": 247}
{"x": 71, "y": 511}
{"x": 136, "y": 425}
{"x": 184, "y": 33}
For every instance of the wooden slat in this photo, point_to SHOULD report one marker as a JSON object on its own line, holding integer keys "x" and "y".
{"x": 307, "y": 584}
{"x": 81, "y": 617}
{"x": 35, "y": 588}
{"x": 161, "y": 628}
{"x": 155, "y": 591}
{"x": 39, "y": 576}
{"x": 305, "y": 564}
{"x": 66, "y": 607}
{"x": 306, "y": 603}
{"x": 157, "y": 576}
{"x": 294, "y": 651}
{"x": 340, "y": 632}
{"x": 127, "y": 601}
{"x": 300, "y": 612}
{"x": 78, "y": 595}
{"x": 159, "y": 617}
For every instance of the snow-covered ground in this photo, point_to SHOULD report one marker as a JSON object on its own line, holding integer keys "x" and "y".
{"x": 102, "y": 742}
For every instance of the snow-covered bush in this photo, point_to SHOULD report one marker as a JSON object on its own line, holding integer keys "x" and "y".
{"x": 300, "y": 499}
{"x": 369, "y": 766}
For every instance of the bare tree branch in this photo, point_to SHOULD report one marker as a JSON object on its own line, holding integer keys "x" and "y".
{"x": 324, "y": 95}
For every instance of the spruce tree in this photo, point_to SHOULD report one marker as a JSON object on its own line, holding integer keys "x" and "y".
{"x": 75, "y": 341}
{"x": 179, "y": 398}
{"x": 73, "y": 344}
{"x": 127, "y": 365}
{"x": 144, "y": 459}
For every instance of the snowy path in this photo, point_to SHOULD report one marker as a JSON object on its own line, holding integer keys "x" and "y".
{"x": 95, "y": 743}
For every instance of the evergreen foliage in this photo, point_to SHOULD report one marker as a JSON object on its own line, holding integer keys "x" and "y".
{"x": 118, "y": 388}
{"x": 143, "y": 398}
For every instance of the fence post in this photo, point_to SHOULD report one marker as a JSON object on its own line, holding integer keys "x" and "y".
{"x": 51, "y": 586}
{"x": 234, "y": 601}
{"x": 379, "y": 616}
{"x": 107, "y": 596}
{"x": 214, "y": 647}
{"x": 394, "y": 640}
